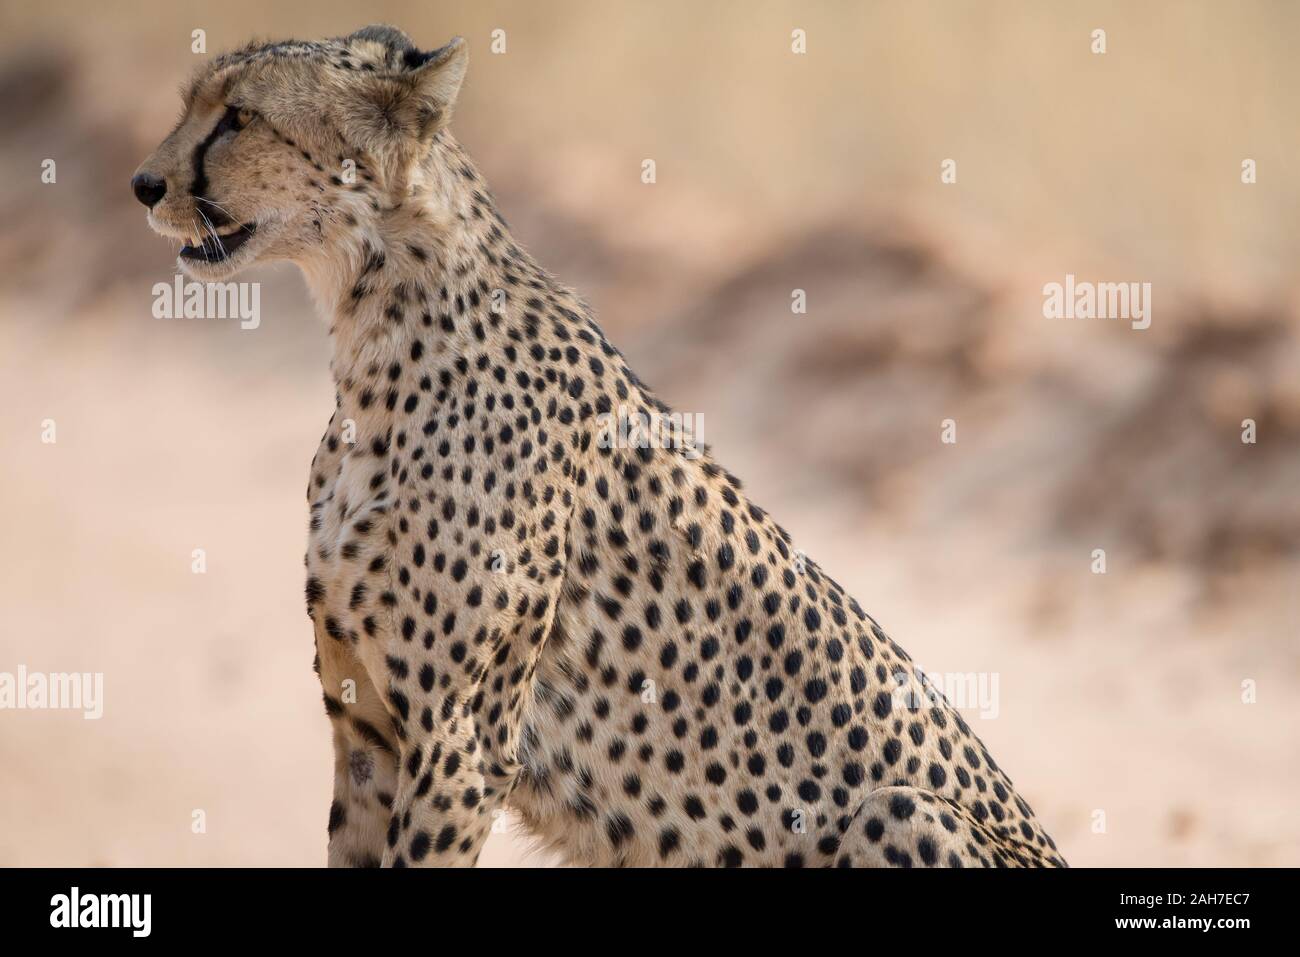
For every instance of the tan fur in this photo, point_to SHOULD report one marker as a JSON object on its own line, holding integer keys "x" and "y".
{"x": 509, "y": 612}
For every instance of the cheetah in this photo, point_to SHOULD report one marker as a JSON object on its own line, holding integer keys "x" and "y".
{"x": 513, "y": 610}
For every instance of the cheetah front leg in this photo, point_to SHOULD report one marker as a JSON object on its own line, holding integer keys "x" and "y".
{"x": 468, "y": 630}
{"x": 365, "y": 758}
{"x": 440, "y": 817}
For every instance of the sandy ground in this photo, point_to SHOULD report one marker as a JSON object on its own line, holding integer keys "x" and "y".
{"x": 1120, "y": 711}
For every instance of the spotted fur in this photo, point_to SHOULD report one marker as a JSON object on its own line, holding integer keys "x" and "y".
{"x": 510, "y": 612}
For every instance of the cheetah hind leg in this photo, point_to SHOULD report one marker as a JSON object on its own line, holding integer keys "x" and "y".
{"x": 911, "y": 827}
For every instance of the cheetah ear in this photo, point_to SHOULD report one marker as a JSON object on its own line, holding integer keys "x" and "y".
{"x": 428, "y": 85}
{"x": 434, "y": 79}
{"x": 397, "y": 113}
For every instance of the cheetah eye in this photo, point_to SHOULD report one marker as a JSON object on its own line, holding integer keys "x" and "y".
{"x": 234, "y": 120}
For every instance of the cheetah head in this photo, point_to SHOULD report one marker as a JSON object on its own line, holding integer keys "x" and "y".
{"x": 280, "y": 142}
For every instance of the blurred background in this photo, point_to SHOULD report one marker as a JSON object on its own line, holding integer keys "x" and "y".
{"x": 1120, "y": 713}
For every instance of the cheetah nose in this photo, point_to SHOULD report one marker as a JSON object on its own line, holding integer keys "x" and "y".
{"x": 148, "y": 188}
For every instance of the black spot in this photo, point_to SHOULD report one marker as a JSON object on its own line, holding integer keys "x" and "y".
{"x": 929, "y": 854}
{"x": 901, "y": 807}
{"x": 669, "y": 840}
{"x": 618, "y": 829}
{"x": 446, "y": 837}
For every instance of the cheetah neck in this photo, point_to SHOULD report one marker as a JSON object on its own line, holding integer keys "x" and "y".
{"x": 397, "y": 281}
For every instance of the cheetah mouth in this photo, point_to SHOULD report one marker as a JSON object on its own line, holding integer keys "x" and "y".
{"x": 218, "y": 247}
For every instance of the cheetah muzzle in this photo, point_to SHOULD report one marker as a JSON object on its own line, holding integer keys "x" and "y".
{"x": 218, "y": 247}
{"x": 512, "y": 610}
